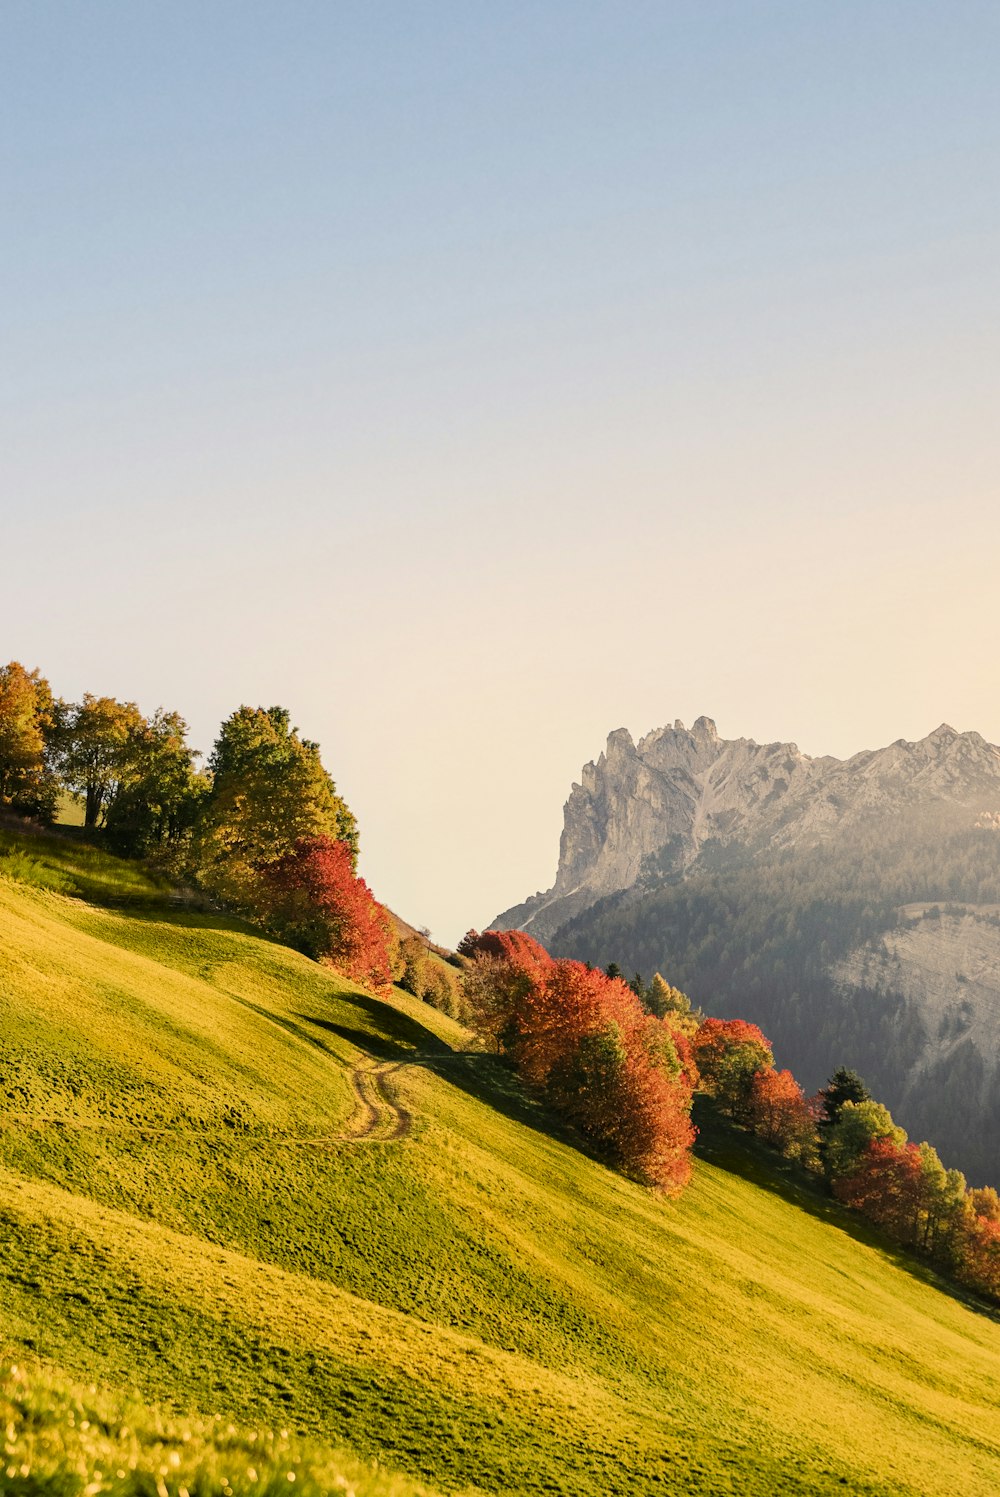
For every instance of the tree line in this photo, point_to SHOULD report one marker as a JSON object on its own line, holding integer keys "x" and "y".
{"x": 262, "y": 829}
{"x": 623, "y": 1061}
{"x": 759, "y": 937}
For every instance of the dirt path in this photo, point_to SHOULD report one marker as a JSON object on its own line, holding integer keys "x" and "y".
{"x": 379, "y": 1116}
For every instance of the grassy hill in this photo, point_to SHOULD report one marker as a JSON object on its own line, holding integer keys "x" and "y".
{"x": 252, "y": 1196}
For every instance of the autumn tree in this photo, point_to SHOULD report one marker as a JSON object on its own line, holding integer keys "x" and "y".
{"x": 269, "y": 791}
{"x": 510, "y": 945}
{"x": 95, "y": 743}
{"x": 497, "y": 993}
{"x": 728, "y": 1053}
{"x": 312, "y": 898}
{"x": 780, "y": 1114}
{"x": 978, "y": 1253}
{"x": 27, "y": 784}
{"x": 858, "y": 1125}
{"x": 622, "y": 1076}
{"x": 884, "y": 1183}
{"x": 985, "y": 1202}
{"x": 429, "y": 978}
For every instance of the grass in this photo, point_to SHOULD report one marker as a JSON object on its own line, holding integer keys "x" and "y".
{"x": 477, "y": 1305}
{"x": 78, "y": 1442}
{"x": 65, "y": 864}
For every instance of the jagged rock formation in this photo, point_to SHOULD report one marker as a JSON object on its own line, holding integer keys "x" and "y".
{"x": 648, "y": 809}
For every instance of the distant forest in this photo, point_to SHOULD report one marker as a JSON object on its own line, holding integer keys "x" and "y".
{"x": 756, "y": 936}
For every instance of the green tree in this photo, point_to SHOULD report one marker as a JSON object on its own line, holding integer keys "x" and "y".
{"x": 942, "y": 1200}
{"x": 857, "y": 1125}
{"x": 843, "y": 1086}
{"x": 661, "y": 999}
{"x": 269, "y": 791}
{"x": 160, "y": 802}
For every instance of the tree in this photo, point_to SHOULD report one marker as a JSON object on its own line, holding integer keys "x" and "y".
{"x": 26, "y": 708}
{"x": 943, "y": 1197}
{"x": 622, "y": 1076}
{"x": 661, "y": 998}
{"x": 885, "y": 1183}
{"x": 427, "y": 977}
{"x": 780, "y": 1114}
{"x": 497, "y": 992}
{"x": 509, "y": 945}
{"x": 269, "y": 791}
{"x": 858, "y": 1125}
{"x": 978, "y": 1253}
{"x": 985, "y": 1202}
{"x": 315, "y": 901}
{"x": 159, "y": 803}
{"x": 95, "y": 745}
{"x": 843, "y": 1086}
{"x": 727, "y": 1053}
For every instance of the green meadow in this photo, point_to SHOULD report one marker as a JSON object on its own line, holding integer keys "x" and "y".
{"x": 246, "y": 1208}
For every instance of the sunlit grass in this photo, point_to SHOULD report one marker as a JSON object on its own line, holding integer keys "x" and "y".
{"x": 69, "y": 865}
{"x": 79, "y": 1442}
{"x": 479, "y": 1304}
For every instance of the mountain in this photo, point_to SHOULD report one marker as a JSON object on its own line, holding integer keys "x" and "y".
{"x": 659, "y": 803}
{"x": 268, "y": 1207}
{"x": 851, "y": 907}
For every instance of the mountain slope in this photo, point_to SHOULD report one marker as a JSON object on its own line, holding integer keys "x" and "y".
{"x": 190, "y": 1206}
{"x": 800, "y": 893}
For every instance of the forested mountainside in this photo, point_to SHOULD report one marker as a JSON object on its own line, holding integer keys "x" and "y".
{"x": 851, "y": 908}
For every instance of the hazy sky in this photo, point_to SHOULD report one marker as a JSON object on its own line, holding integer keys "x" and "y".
{"x": 475, "y": 379}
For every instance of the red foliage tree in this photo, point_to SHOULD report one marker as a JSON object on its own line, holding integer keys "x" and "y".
{"x": 727, "y": 1053}
{"x": 780, "y": 1114}
{"x": 314, "y": 900}
{"x": 509, "y": 945}
{"x": 623, "y": 1077}
{"x": 886, "y": 1186}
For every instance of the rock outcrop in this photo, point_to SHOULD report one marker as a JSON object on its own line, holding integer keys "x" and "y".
{"x": 647, "y": 810}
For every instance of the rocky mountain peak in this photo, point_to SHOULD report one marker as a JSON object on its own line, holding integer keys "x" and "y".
{"x": 646, "y": 810}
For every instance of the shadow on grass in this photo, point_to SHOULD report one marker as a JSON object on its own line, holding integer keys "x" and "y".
{"x": 391, "y": 1035}
{"x": 727, "y": 1147}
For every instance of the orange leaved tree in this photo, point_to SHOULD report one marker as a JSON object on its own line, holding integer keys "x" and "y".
{"x": 623, "y": 1077}
{"x": 728, "y": 1053}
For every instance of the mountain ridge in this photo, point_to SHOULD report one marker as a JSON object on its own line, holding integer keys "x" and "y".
{"x": 652, "y": 806}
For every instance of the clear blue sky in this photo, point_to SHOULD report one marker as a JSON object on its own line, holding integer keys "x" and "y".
{"x": 476, "y": 379}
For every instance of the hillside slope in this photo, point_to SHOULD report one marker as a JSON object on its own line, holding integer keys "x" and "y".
{"x": 236, "y": 1186}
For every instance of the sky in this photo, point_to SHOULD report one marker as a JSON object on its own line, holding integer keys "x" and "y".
{"x": 474, "y": 380}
